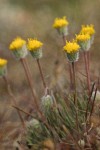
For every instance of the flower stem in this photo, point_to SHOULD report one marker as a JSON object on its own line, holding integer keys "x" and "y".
{"x": 41, "y": 73}
{"x": 13, "y": 99}
{"x": 88, "y": 59}
{"x": 87, "y": 71}
{"x": 29, "y": 78}
{"x": 75, "y": 98}
{"x": 69, "y": 66}
{"x": 74, "y": 81}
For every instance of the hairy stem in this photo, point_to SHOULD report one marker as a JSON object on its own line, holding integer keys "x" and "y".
{"x": 87, "y": 71}
{"x": 41, "y": 73}
{"x": 29, "y": 78}
{"x": 75, "y": 98}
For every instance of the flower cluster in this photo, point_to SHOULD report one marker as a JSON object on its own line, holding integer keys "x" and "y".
{"x": 85, "y": 37}
{"x": 20, "y": 50}
{"x": 34, "y": 44}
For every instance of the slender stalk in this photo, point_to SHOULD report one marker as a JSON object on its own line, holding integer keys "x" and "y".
{"x": 89, "y": 100}
{"x": 41, "y": 73}
{"x": 73, "y": 139}
{"x": 69, "y": 65}
{"x": 74, "y": 81}
{"x": 93, "y": 104}
{"x": 29, "y": 114}
{"x": 75, "y": 99}
{"x": 43, "y": 119}
{"x": 88, "y": 60}
{"x": 29, "y": 78}
{"x": 13, "y": 99}
{"x": 87, "y": 71}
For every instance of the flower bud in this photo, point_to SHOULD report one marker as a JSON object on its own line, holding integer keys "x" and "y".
{"x": 35, "y": 48}
{"x": 47, "y": 103}
{"x": 61, "y": 24}
{"x": 72, "y": 51}
{"x": 73, "y": 57}
{"x": 81, "y": 143}
{"x": 18, "y": 47}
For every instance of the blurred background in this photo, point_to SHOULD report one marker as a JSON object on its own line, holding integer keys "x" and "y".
{"x": 34, "y": 18}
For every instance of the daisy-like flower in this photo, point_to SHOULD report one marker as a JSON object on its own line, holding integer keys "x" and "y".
{"x": 61, "y": 24}
{"x": 84, "y": 41}
{"x": 35, "y": 48}
{"x": 3, "y": 64}
{"x": 88, "y": 29}
{"x": 72, "y": 50}
{"x": 18, "y": 47}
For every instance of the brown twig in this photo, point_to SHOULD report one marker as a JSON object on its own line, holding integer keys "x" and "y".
{"x": 75, "y": 98}
{"x": 71, "y": 136}
{"x": 93, "y": 103}
{"x": 82, "y": 74}
{"x": 41, "y": 73}
{"x": 20, "y": 109}
{"x": 13, "y": 99}
{"x": 87, "y": 71}
{"x": 74, "y": 81}
{"x": 43, "y": 119}
{"x": 89, "y": 100}
{"x": 29, "y": 78}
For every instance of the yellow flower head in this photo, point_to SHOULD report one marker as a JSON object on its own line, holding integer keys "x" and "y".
{"x": 89, "y": 29}
{"x": 82, "y": 37}
{"x": 71, "y": 47}
{"x": 60, "y": 22}
{"x": 34, "y": 44}
{"x": 3, "y": 62}
{"x": 17, "y": 44}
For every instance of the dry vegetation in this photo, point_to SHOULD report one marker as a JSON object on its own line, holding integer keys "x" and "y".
{"x": 35, "y": 18}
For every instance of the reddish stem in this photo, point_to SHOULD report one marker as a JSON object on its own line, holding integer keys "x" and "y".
{"x": 74, "y": 81}
{"x": 29, "y": 78}
{"x": 13, "y": 99}
{"x": 41, "y": 73}
{"x": 75, "y": 98}
{"x": 87, "y": 71}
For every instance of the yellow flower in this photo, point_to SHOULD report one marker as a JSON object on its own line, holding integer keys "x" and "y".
{"x": 3, "y": 62}
{"x": 60, "y": 22}
{"x": 17, "y": 44}
{"x": 82, "y": 37}
{"x": 89, "y": 29}
{"x": 71, "y": 47}
{"x": 34, "y": 44}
